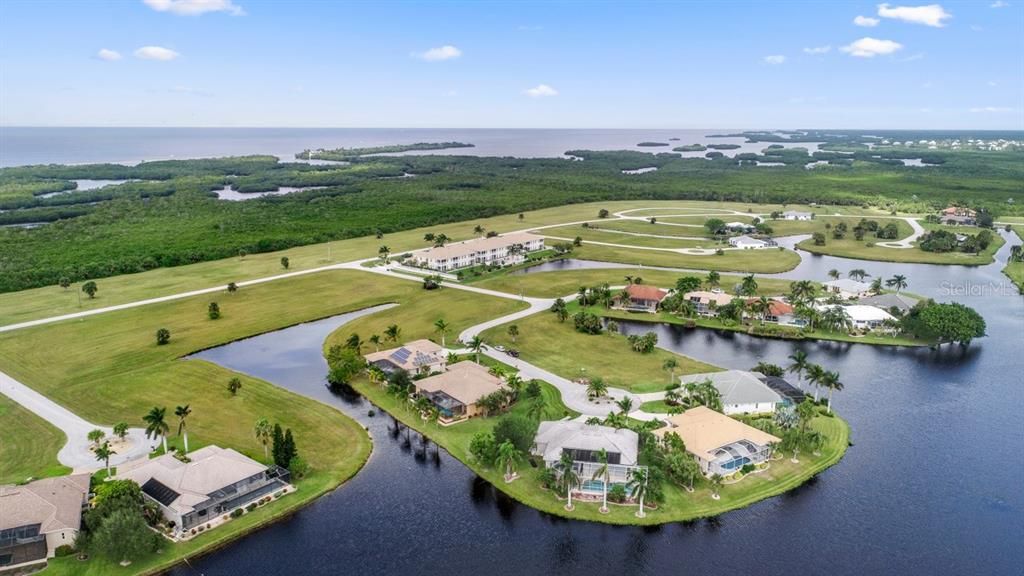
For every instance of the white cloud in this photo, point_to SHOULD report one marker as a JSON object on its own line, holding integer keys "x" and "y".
{"x": 774, "y": 59}
{"x": 446, "y": 52}
{"x": 999, "y": 4}
{"x": 540, "y": 91}
{"x": 866, "y": 21}
{"x": 818, "y": 50}
{"x": 870, "y": 47}
{"x": 108, "y": 55}
{"x": 156, "y": 53}
{"x": 930, "y": 15}
{"x": 993, "y": 83}
{"x": 992, "y": 109}
{"x": 194, "y": 7}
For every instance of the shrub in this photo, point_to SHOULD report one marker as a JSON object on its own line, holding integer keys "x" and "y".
{"x": 517, "y": 429}
{"x": 747, "y": 468}
{"x": 617, "y": 493}
{"x": 251, "y": 506}
{"x": 237, "y": 512}
{"x": 64, "y": 550}
{"x": 163, "y": 336}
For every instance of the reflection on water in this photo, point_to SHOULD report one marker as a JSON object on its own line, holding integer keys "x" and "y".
{"x": 917, "y": 479}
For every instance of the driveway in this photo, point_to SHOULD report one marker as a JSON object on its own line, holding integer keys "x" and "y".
{"x": 76, "y": 453}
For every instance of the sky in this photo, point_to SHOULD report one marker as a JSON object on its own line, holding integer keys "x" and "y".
{"x": 513, "y": 64}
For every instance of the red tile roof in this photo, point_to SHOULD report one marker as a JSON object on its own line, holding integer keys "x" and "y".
{"x": 645, "y": 292}
{"x": 775, "y": 307}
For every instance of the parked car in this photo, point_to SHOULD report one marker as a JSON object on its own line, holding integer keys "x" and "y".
{"x": 512, "y": 353}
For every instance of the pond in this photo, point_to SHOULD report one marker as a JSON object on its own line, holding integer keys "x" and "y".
{"x": 931, "y": 485}
{"x": 227, "y": 193}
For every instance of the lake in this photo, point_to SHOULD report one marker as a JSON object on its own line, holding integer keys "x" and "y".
{"x": 932, "y": 484}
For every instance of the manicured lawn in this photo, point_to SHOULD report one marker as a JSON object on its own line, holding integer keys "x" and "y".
{"x": 108, "y": 368}
{"x": 655, "y": 407}
{"x": 762, "y": 261}
{"x": 647, "y": 228}
{"x": 700, "y": 220}
{"x": 679, "y": 505}
{"x": 612, "y": 237}
{"x": 565, "y": 282}
{"x": 30, "y": 444}
{"x": 558, "y": 347}
{"x": 1015, "y": 272}
{"x": 53, "y": 301}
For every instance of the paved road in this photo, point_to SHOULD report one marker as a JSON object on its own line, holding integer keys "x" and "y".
{"x": 76, "y": 453}
{"x": 906, "y": 242}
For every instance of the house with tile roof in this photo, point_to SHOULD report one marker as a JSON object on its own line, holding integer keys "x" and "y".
{"x": 416, "y": 357}
{"x": 38, "y": 517}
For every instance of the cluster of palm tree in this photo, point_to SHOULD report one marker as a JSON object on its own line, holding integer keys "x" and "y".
{"x": 695, "y": 394}
{"x": 817, "y": 376}
{"x": 560, "y": 309}
{"x": 438, "y": 240}
{"x": 596, "y": 295}
{"x": 157, "y": 426}
{"x": 392, "y": 333}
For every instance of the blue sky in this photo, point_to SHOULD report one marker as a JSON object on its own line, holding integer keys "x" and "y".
{"x": 496, "y": 64}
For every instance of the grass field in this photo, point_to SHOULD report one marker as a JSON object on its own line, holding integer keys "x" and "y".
{"x": 565, "y": 282}
{"x": 30, "y": 444}
{"x": 53, "y": 301}
{"x": 679, "y": 505}
{"x": 1015, "y": 272}
{"x": 639, "y": 227}
{"x": 850, "y": 248}
{"x": 760, "y": 261}
{"x": 558, "y": 347}
{"x": 602, "y": 235}
{"x": 110, "y": 369}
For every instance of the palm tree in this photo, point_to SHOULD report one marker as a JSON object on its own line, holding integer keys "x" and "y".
{"x": 560, "y": 309}
{"x": 537, "y": 407}
{"x": 625, "y": 404}
{"x": 830, "y": 380}
{"x": 799, "y": 365}
{"x": 478, "y": 229}
{"x": 802, "y": 290}
{"x": 514, "y": 383}
{"x": 628, "y": 279}
{"x": 428, "y": 237}
{"x": 440, "y": 240}
{"x": 713, "y": 278}
{"x": 602, "y": 473}
{"x": 384, "y": 252}
{"x": 513, "y": 331}
{"x": 876, "y": 285}
{"x": 596, "y": 387}
{"x": 762, "y": 306}
{"x": 476, "y": 344}
{"x": 858, "y": 274}
{"x": 442, "y": 328}
{"x": 264, "y": 431}
{"x": 581, "y": 295}
{"x": 103, "y": 453}
{"x": 392, "y": 333}
{"x": 749, "y": 286}
{"x": 567, "y": 477}
{"x": 375, "y": 340}
{"x": 156, "y": 425}
{"x": 637, "y": 486}
{"x": 898, "y": 282}
{"x": 814, "y": 376}
{"x": 183, "y": 412}
{"x": 716, "y": 482}
{"x": 670, "y": 365}
{"x": 834, "y": 274}
{"x": 507, "y": 458}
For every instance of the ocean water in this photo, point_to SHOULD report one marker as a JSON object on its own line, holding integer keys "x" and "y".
{"x": 21, "y": 146}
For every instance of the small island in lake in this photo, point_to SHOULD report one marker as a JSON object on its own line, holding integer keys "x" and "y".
{"x": 652, "y": 144}
{"x": 690, "y": 148}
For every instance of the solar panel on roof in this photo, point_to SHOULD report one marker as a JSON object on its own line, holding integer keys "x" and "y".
{"x": 401, "y": 355}
{"x": 159, "y": 492}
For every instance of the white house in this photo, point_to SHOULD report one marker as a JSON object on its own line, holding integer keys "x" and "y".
{"x": 742, "y": 392}
{"x": 747, "y": 243}
{"x": 707, "y": 302}
{"x": 582, "y": 442}
{"x": 795, "y": 215}
{"x": 739, "y": 226}
{"x": 503, "y": 250}
{"x": 867, "y": 317}
{"x": 848, "y": 288}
